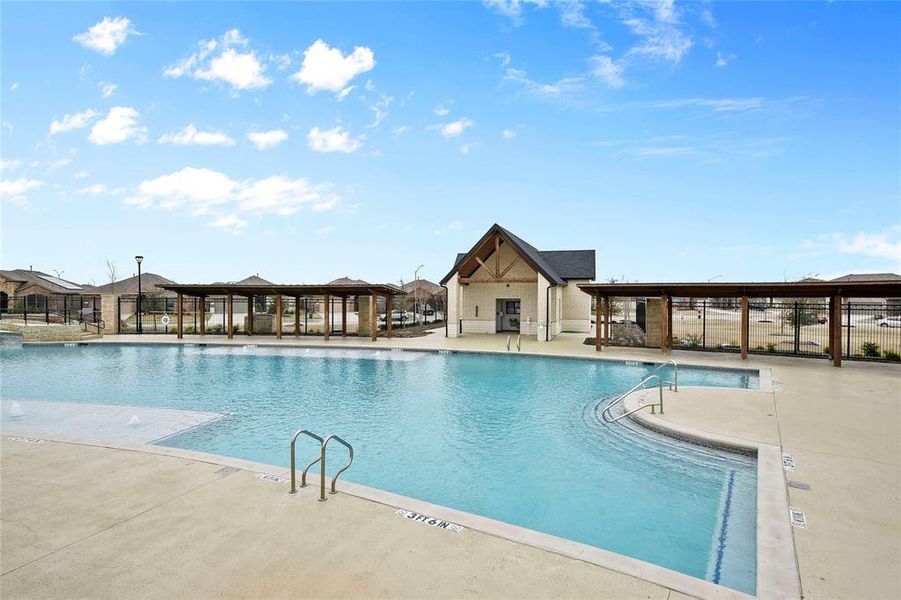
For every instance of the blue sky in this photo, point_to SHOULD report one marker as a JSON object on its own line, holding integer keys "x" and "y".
{"x": 310, "y": 141}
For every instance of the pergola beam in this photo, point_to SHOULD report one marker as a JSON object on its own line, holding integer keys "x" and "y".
{"x": 278, "y": 317}
{"x": 179, "y": 317}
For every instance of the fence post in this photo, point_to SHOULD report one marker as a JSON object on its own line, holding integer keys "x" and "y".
{"x": 848, "y": 344}
{"x": 704, "y": 326}
{"x": 745, "y": 327}
{"x": 47, "y": 310}
{"x": 797, "y": 329}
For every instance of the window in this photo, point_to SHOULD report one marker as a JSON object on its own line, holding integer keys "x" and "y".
{"x": 512, "y": 307}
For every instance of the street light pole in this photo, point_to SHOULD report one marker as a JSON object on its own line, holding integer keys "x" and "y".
{"x": 416, "y": 291}
{"x": 139, "y": 260}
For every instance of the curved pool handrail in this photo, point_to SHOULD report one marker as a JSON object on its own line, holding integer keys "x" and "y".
{"x": 350, "y": 449}
{"x": 303, "y": 479}
{"x": 519, "y": 343}
{"x": 608, "y": 418}
{"x": 675, "y": 381}
{"x": 508, "y": 343}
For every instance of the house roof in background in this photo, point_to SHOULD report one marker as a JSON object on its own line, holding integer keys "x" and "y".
{"x": 252, "y": 280}
{"x": 347, "y": 281}
{"x": 51, "y": 283}
{"x": 129, "y": 285}
{"x": 869, "y": 277}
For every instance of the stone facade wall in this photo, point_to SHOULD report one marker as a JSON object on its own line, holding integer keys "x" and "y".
{"x": 109, "y": 312}
{"x": 364, "y": 328}
{"x": 653, "y": 315}
{"x": 8, "y": 287}
{"x": 50, "y": 333}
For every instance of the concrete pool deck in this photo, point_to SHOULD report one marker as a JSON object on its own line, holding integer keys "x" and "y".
{"x": 842, "y": 427}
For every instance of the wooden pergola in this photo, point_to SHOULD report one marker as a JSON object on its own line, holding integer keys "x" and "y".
{"x": 325, "y": 291}
{"x": 835, "y": 291}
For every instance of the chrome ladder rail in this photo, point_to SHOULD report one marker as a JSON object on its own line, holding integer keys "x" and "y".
{"x": 675, "y": 383}
{"x": 608, "y": 418}
{"x": 350, "y": 449}
{"x": 508, "y": 343}
{"x": 519, "y": 343}
{"x": 303, "y": 479}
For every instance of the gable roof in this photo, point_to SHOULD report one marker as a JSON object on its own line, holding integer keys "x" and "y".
{"x": 51, "y": 283}
{"x": 129, "y": 285}
{"x": 347, "y": 281}
{"x": 869, "y": 277}
{"x": 554, "y": 265}
{"x": 252, "y": 280}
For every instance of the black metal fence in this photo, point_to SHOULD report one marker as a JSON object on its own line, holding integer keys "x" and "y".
{"x": 52, "y": 309}
{"x": 801, "y": 328}
{"x": 158, "y": 315}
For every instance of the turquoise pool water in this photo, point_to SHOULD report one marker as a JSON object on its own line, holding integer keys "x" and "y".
{"x": 513, "y": 438}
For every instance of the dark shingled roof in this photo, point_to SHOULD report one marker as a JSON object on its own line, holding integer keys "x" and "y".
{"x": 556, "y": 266}
{"x": 869, "y": 277}
{"x": 55, "y": 285}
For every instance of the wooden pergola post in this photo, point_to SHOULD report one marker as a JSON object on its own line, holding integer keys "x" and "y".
{"x": 597, "y": 323}
{"x": 389, "y": 318}
{"x": 230, "y": 308}
{"x": 373, "y": 317}
{"x": 296, "y": 316}
{"x": 202, "y": 315}
{"x": 250, "y": 315}
{"x": 608, "y": 313}
{"x": 745, "y": 327}
{"x": 836, "y": 318}
{"x": 664, "y": 324}
{"x": 343, "y": 316}
{"x": 326, "y": 309}
{"x": 179, "y": 317}
{"x": 278, "y": 317}
{"x": 831, "y": 325}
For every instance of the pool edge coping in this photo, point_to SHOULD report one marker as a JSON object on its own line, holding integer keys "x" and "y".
{"x": 620, "y": 563}
{"x": 778, "y": 572}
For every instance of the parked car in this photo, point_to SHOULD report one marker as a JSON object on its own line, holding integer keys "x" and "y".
{"x": 397, "y": 315}
{"x": 428, "y": 312}
{"x": 889, "y": 322}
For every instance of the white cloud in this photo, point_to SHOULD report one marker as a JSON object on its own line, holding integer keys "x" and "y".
{"x": 723, "y": 60}
{"x": 267, "y": 139}
{"x": 190, "y": 136}
{"x": 452, "y": 226}
{"x": 512, "y": 9}
{"x": 107, "y": 35}
{"x": 326, "y": 68}
{"x": 343, "y": 93}
{"x": 657, "y": 24}
{"x": 455, "y": 128}
{"x": 508, "y": 134}
{"x": 80, "y": 175}
{"x": 14, "y": 86}
{"x": 107, "y": 89}
{"x": 441, "y": 111}
{"x": 559, "y": 89}
{"x": 400, "y": 129}
{"x": 380, "y": 108}
{"x": 883, "y": 244}
{"x": 73, "y": 121}
{"x": 572, "y": 14}
{"x": 10, "y": 165}
{"x": 230, "y": 203}
{"x": 218, "y": 60}
{"x": 16, "y": 190}
{"x": 465, "y": 149}
{"x": 332, "y": 140}
{"x": 230, "y": 223}
{"x": 324, "y": 230}
{"x": 98, "y": 189}
{"x": 119, "y": 125}
{"x": 57, "y": 164}
{"x": 504, "y": 57}
{"x": 607, "y": 70}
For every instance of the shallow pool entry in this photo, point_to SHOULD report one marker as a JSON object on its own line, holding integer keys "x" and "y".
{"x": 511, "y": 438}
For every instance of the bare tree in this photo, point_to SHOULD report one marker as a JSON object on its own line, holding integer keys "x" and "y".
{"x": 112, "y": 272}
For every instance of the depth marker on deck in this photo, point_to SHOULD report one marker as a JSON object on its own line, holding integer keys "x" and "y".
{"x": 427, "y": 520}
{"x": 272, "y": 478}
{"x": 798, "y": 518}
{"x": 788, "y": 461}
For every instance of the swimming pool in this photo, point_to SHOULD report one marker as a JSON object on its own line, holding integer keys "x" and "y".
{"x": 513, "y": 438}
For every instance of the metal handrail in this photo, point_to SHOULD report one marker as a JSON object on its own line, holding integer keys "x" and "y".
{"x": 675, "y": 381}
{"x": 303, "y": 479}
{"x": 350, "y": 449}
{"x": 608, "y": 418}
{"x": 508, "y": 343}
{"x": 519, "y": 343}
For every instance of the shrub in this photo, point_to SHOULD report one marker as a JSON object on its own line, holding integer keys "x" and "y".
{"x": 827, "y": 350}
{"x": 892, "y": 356}
{"x": 771, "y": 347}
{"x": 691, "y": 340}
{"x": 870, "y": 349}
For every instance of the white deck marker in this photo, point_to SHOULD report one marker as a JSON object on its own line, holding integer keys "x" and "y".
{"x": 788, "y": 461}
{"x": 798, "y": 518}
{"x": 430, "y": 521}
